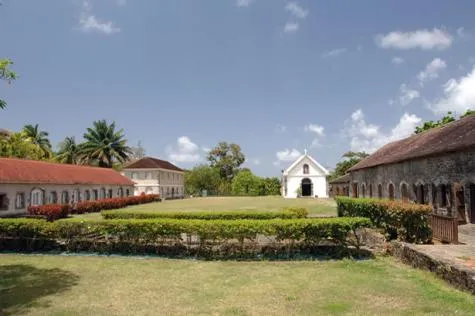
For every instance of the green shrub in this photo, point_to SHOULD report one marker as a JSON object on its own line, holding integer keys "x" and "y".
{"x": 224, "y": 215}
{"x": 400, "y": 220}
{"x": 301, "y": 212}
{"x": 185, "y": 236}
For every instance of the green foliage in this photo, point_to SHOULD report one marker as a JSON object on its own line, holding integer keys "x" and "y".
{"x": 201, "y": 178}
{"x": 269, "y": 186}
{"x": 6, "y": 75}
{"x": 433, "y": 124}
{"x": 213, "y": 215}
{"x": 468, "y": 113}
{"x": 350, "y": 159}
{"x": 104, "y": 145}
{"x": 17, "y": 145}
{"x": 400, "y": 220}
{"x": 38, "y": 138}
{"x": 68, "y": 151}
{"x": 226, "y": 158}
{"x": 246, "y": 183}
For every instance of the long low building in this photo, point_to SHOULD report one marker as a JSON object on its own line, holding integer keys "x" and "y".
{"x": 29, "y": 182}
{"x": 435, "y": 167}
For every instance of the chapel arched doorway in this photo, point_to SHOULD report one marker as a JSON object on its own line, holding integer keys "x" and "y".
{"x": 306, "y": 187}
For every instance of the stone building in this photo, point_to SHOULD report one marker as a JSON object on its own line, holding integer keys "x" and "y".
{"x": 156, "y": 176}
{"x": 435, "y": 167}
{"x": 340, "y": 186}
{"x": 29, "y": 182}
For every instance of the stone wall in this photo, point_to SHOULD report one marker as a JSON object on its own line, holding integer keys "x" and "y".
{"x": 422, "y": 180}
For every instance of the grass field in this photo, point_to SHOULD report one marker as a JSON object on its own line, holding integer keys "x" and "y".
{"x": 76, "y": 285}
{"x": 316, "y": 207}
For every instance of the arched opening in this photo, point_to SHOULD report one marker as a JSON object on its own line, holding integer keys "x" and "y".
{"x": 472, "y": 203}
{"x": 363, "y": 190}
{"x": 87, "y": 195}
{"x": 337, "y": 190}
{"x": 306, "y": 187}
{"x": 391, "y": 191}
{"x": 305, "y": 169}
{"x": 370, "y": 191}
{"x": 127, "y": 192}
{"x": 121, "y": 192}
{"x": 404, "y": 195}
{"x": 103, "y": 193}
{"x": 380, "y": 191}
{"x": 37, "y": 197}
{"x": 354, "y": 188}
{"x": 64, "y": 197}
{"x": 173, "y": 192}
{"x": 420, "y": 194}
{"x": 53, "y": 197}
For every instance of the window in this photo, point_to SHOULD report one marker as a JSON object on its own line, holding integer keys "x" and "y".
{"x": 20, "y": 200}
{"x": 37, "y": 197}
{"x": 87, "y": 195}
{"x": 363, "y": 190}
{"x": 371, "y": 191}
{"x": 95, "y": 195}
{"x": 134, "y": 175}
{"x": 120, "y": 192}
{"x": 420, "y": 194}
{"x": 391, "y": 191}
{"x": 65, "y": 197}
{"x": 3, "y": 202}
{"x": 127, "y": 192}
{"x": 355, "y": 190}
{"x": 404, "y": 195}
{"x": 380, "y": 191}
{"x": 305, "y": 169}
{"x": 76, "y": 197}
{"x": 53, "y": 197}
{"x": 103, "y": 193}
{"x": 443, "y": 195}
{"x": 149, "y": 175}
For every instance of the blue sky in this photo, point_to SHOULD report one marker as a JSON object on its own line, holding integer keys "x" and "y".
{"x": 274, "y": 76}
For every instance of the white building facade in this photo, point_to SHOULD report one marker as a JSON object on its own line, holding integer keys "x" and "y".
{"x": 156, "y": 176}
{"x": 305, "y": 178}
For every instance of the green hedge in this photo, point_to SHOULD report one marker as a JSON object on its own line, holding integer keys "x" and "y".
{"x": 223, "y": 215}
{"x": 400, "y": 220}
{"x": 184, "y": 236}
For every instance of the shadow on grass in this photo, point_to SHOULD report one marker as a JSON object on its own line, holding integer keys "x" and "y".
{"x": 22, "y": 286}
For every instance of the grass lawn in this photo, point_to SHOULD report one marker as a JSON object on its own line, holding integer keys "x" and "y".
{"x": 316, "y": 207}
{"x": 81, "y": 285}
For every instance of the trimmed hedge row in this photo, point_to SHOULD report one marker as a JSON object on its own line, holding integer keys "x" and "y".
{"x": 52, "y": 212}
{"x": 182, "y": 236}
{"x": 114, "y": 203}
{"x": 223, "y": 215}
{"x": 400, "y": 220}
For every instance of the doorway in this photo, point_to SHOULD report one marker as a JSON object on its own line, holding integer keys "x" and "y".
{"x": 306, "y": 187}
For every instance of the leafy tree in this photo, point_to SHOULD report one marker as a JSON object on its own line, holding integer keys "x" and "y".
{"x": 270, "y": 186}
{"x": 104, "y": 145}
{"x": 68, "y": 151}
{"x": 468, "y": 113}
{"x": 39, "y": 138}
{"x": 201, "y": 178}
{"x": 17, "y": 145}
{"x": 6, "y": 75}
{"x": 432, "y": 124}
{"x": 349, "y": 160}
{"x": 226, "y": 158}
{"x": 246, "y": 183}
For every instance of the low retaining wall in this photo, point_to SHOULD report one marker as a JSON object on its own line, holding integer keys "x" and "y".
{"x": 457, "y": 275}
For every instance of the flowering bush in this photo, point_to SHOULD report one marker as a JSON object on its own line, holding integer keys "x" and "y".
{"x": 114, "y": 203}
{"x": 51, "y": 211}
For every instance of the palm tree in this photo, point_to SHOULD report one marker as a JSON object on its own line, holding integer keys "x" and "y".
{"x": 68, "y": 151}
{"x": 104, "y": 145}
{"x": 39, "y": 138}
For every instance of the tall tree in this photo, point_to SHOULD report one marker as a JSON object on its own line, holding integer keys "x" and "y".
{"x": 350, "y": 159}
{"x": 68, "y": 151}
{"x": 201, "y": 178}
{"x": 6, "y": 75}
{"x": 246, "y": 183}
{"x": 226, "y": 158}
{"x": 104, "y": 145}
{"x": 39, "y": 138}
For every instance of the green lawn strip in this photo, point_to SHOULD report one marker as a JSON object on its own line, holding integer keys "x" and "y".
{"x": 60, "y": 285}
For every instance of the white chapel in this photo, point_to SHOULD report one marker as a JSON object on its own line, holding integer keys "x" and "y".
{"x": 305, "y": 178}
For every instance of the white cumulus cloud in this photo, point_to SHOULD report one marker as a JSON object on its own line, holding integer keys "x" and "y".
{"x": 334, "y": 52}
{"x": 423, "y": 39}
{"x": 432, "y": 70}
{"x": 407, "y": 95}
{"x": 459, "y": 95}
{"x": 184, "y": 151}
{"x": 296, "y": 10}
{"x": 397, "y": 60}
{"x": 288, "y": 155}
{"x": 243, "y": 3}
{"x": 291, "y": 27}
{"x": 314, "y": 128}
{"x": 89, "y": 23}
{"x": 369, "y": 137}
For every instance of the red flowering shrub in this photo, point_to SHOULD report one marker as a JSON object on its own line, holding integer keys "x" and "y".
{"x": 114, "y": 203}
{"x": 51, "y": 211}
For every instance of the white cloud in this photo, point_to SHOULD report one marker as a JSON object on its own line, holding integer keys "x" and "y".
{"x": 369, "y": 137}
{"x": 296, "y": 10}
{"x": 206, "y": 149}
{"x": 280, "y": 128}
{"x": 459, "y": 95}
{"x": 314, "y": 128}
{"x": 424, "y": 39}
{"x": 335, "y": 52}
{"x": 432, "y": 70}
{"x": 185, "y": 151}
{"x": 243, "y": 3}
{"x": 89, "y": 23}
{"x": 397, "y": 60}
{"x": 291, "y": 27}
{"x": 288, "y": 155}
{"x": 121, "y": 3}
{"x": 256, "y": 162}
{"x": 407, "y": 95}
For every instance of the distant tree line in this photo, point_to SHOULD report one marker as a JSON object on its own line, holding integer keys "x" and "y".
{"x": 223, "y": 175}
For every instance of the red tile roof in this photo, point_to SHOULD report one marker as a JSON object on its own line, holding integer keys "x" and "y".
{"x": 152, "y": 163}
{"x": 41, "y": 172}
{"x": 455, "y": 136}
